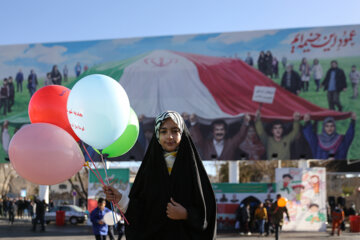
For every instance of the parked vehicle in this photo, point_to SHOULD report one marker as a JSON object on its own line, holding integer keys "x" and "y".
{"x": 73, "y": 214}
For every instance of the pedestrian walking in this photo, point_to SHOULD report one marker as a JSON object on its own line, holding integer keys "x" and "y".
{"x": 100, "y": 228}
{"x": 261, "y": 217}
{"x": 337, "y": 217}
{"x": 40, "y": 214}
{"x": 277, "y": 214}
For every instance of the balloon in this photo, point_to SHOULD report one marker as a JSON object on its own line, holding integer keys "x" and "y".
{"x": 98, "y": 110}
{"x": 109, "y": 218}
{"x": 126, "y": 141}
{"x": 45, "y": 154}
{"x": 282, "y": 202}
{"x": 48, "y": 105}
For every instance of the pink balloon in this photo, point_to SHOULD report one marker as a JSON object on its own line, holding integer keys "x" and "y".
{"x": 45, "y": 154}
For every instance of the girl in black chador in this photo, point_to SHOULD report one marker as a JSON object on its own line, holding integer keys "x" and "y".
{"x": 171, "y": 197}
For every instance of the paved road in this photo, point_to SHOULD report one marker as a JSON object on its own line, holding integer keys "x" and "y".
{"x": 21, "y": 229}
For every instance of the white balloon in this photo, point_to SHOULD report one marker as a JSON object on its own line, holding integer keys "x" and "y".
{"x": 98, "y": 110}
{"x": 109, "y": 218}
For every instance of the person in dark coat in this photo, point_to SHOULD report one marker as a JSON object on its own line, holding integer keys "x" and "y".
{"x": 11, "y": 93}
{"x": 261, "y": 63}
{"x": 334, "y": 83}
{"x": 245, "y": 219}
{"x": 220, "y": 146}
{"x": 4, "y": 95}
{"x": 6, "y": 204}
{"x": 268, "y": 64}
{"x": 277, "y": 216}
{"x": 19, "y": 80}
{"x": 171, "y": 198}
{"x": 40, "y": 214}
{"x": 11, "y": 209}
{"x": 56, "y": 75}
{"x": 275, "y": 67}
{"x": 249, "y": 60}
{"x": 32, "y": 82}
{"x": 291, "y": 80}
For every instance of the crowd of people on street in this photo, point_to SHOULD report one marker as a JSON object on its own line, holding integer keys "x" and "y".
{"x": 267, "y": 218}
{"x": 264, "y": 219}
{"x": 22, "y": 208}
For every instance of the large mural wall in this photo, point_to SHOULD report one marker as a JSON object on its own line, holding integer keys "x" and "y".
{"x": 210, "y": 79}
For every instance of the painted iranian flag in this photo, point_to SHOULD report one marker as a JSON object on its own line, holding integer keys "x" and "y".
{"x": 211, "y": 87}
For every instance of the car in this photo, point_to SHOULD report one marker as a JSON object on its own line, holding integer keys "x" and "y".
{"x": 73, "y": 214}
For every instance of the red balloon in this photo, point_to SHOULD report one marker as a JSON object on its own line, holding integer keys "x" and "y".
{"x": 48, "y": 105}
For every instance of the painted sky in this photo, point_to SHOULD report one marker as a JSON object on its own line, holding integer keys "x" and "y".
{"x": 71, "y": 29}
{"x": 41, "y": 57}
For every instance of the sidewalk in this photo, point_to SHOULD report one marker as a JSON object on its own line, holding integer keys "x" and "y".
{"x": 21, "y": 229}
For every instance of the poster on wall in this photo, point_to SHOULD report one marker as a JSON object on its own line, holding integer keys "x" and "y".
{"x": 231, "y": 196}
{"x": 305, "y": 190}
{"x": 210, "y": 79}
{"x": 118, "y": 178}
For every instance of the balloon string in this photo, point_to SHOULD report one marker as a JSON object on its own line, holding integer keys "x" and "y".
{"x": 107, "y": 179}
{"x": 105, "y": 168}
{"x": 102, "y": 182}
{"x": 99, "y": 178}
{"x": 122, "y": 214}
{"x": 95, "y": 174}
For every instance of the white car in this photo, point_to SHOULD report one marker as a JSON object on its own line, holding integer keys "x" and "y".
{"x": 73, "y": 214}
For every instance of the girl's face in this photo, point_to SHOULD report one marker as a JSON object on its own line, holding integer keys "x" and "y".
{"x": 169, "y": 135}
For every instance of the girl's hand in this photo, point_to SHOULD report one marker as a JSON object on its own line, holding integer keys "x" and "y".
{"x": 112, "y": 194}
{"x": 176, "y": 211}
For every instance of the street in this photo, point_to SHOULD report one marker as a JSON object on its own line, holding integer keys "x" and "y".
{"x": 21, "y": 229}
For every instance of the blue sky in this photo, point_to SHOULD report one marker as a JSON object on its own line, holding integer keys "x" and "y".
{"x": 34, "y": 21}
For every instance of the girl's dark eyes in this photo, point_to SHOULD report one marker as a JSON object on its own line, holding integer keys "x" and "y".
{"x": 176, "y": 130}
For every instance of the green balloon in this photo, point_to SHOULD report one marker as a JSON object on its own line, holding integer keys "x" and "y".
{"x": 126, "y": 141}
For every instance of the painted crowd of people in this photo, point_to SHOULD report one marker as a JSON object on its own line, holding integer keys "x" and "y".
{"x": 249, "y": 138}
{"x": 333, "y": 81}
{"x": 10, "y": 86}
{"x": 255, "y": 140}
